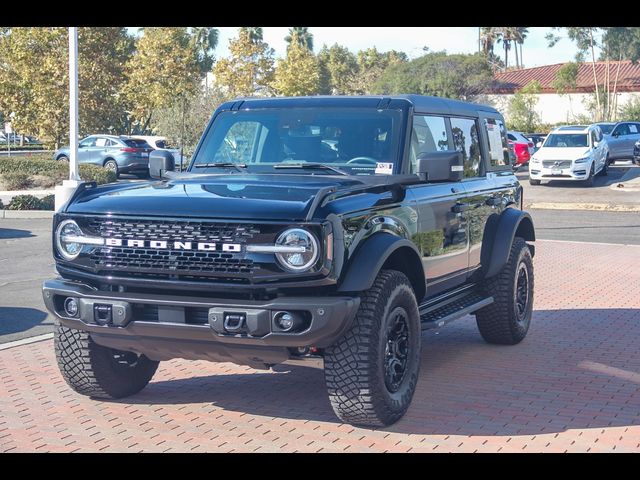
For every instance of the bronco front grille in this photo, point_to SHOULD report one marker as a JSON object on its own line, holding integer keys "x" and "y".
{"x": 172, "y": 262}
{"x": 560, "y": 163}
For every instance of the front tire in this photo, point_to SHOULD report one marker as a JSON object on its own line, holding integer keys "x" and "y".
{"x": 372, "y": 371}
{"x": 62, "y": 158}
{"x": 97, "y": 371}
{"x": 112, "y": 165}
{"x": 589, "y": 181}
{"x": 506, "y": 321}
{"x": 534, "y": 182}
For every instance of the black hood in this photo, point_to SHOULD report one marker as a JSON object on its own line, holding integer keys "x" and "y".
{"x": 259, "y": 197}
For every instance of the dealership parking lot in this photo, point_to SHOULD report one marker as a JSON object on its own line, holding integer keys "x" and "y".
{"x": 572, "y": 385}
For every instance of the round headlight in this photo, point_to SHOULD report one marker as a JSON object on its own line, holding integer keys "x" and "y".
{"x": 69, "y": 250}
{"x": 301, "y": 260}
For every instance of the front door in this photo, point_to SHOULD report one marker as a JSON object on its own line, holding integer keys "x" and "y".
{"x": 441, "y": 235}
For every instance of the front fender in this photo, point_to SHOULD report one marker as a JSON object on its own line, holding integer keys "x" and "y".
{"x": 371, "y": 256}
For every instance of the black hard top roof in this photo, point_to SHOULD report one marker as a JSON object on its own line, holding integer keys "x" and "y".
{"x": 421, "y": 103}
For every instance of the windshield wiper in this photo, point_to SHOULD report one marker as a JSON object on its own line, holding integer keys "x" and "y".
{"x": 318, "y": 166}
{"x": 237, "y": 166}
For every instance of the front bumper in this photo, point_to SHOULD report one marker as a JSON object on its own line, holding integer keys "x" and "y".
{"x": 578, "y": 171}
{"x": 169, "y": 326}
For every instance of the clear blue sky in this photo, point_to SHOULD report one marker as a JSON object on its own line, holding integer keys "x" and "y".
{"x": 410, "y": 40}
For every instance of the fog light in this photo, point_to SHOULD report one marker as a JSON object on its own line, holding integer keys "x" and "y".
{"x": 71, "y": 307}
{"x": 285, "y": 321}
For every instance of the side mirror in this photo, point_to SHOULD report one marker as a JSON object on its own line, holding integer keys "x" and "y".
{"x": 595, "y": 144}
{"x": 440, "y": 166}
{"x": 160, "y": 162}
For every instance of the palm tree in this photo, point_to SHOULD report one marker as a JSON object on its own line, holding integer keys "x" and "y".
{"x": 205, "y": 40}
{"x": 506, "y": 36}
{"x": 521, "y": 34}
{"x": 301, "y": 35}
{"x": 255, "y": 33}
{"x": 488, "y": 37}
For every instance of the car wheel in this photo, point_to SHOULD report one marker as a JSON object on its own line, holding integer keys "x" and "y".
{"x": 605, "y": 168}
{"x": 506, "y": 321}
{"x": 62, "y": 158}
{"x": 111, "y": 165}
{"x": 97, "y": 371}
{"x": 589, "y": 181}
{"x": 534, "y": 182}
{"x": 372, "y": 371}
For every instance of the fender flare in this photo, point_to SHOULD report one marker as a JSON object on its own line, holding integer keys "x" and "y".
{"x": 371, "y": 256}
{"x": 500, "y": 232}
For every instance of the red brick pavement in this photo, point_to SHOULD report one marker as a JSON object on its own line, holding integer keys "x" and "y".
{"x": 572, "y": 385}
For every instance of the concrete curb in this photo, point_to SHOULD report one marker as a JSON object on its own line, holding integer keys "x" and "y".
{"x": 603, "y": 207}
{"x": 26, "y": 213}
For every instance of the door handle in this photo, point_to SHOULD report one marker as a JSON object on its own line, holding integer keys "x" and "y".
{"x": 460, "y": 207}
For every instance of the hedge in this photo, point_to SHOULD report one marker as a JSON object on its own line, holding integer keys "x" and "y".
{"x": 57, "y": 171}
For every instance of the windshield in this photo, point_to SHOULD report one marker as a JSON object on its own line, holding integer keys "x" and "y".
{"x": 606, "y": 129}
{"x": 567, "y": 140}
{"x": 357, "y": 141}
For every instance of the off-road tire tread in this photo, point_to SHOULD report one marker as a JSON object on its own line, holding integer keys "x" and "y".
{"x": 354, "y": 397}
{"x": 86, "y": 368}
{"x": 496, "y": 321}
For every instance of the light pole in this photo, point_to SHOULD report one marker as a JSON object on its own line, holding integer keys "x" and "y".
{"x": 65, "y": 191}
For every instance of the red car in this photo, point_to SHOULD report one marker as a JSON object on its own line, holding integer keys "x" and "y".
{"x": 522, "y": 147}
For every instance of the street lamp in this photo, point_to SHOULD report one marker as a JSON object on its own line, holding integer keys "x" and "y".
{"x": 64, "y": 192}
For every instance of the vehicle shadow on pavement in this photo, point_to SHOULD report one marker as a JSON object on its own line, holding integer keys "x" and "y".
{"x": 6, "y": 233}
{"x": 19, "y": 319}
{"x": 577, "y": 369}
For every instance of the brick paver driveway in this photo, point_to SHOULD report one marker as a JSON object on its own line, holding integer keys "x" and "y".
{"x": 572, "y": 385}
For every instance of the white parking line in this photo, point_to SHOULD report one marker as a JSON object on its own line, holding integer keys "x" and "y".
{"x": 26, "y": 341}
{"x": 587, "y": 243}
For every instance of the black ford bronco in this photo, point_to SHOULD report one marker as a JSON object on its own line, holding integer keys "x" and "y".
{"x": 315, "y": 230}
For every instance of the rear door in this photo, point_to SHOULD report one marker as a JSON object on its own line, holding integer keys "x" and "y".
{"x": 618, "y": 140}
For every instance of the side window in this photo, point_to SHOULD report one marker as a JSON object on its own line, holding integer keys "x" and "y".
{"x": 594, "y": 137}
{"x": 622, "y": 129}
{"x": 101, "y": 142}
{"x": 633, "y": 129}
{"x": 429, "y": 134}
{"x": 498, "y": 144}
{"x": 89, "y": 142}
{"x": 465, "y": 140}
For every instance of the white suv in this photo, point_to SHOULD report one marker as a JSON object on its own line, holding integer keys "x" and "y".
{"x": 575, "y": 153}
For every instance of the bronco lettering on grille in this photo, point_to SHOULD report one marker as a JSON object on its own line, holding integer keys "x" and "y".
{"x": 164, "y": 244}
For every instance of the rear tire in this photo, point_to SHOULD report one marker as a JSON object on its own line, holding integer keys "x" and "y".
{"x": 534, "y": 182}
{"x": 97, "y": 371}
{"x": 372, "y": 371}
{"x": 506, "y": 321}
{"x": 63, "y": 158}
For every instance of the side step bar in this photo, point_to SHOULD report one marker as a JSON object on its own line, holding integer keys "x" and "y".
{"x": 435, "y": 316}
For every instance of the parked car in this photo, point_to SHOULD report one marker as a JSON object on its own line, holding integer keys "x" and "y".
{"x": 574, "y": 153}
{"x": 286, "y": 249}
{"x": 537, "y": 139}
{"x": 120, "y": 154}
{"x": 160, "y": 143}
{"x": 522, "y": 146}
{"x": 621, "y": 140}
{"x": 636, "y": 153}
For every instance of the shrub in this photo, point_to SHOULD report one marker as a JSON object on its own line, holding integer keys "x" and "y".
{"x": 48, "y": 202}
{"x": 16, "y": 180}
{"x": 92, "y": 173}
{"x": 24, "y": 202}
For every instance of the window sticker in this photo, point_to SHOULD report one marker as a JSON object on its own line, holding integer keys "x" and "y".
{"x": 633, "y": 128}
{"x": 384, "y": 168}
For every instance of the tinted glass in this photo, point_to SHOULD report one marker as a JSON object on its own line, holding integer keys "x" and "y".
{"x": 136, "y": 143}
{"x": 465, "y": 140}
{"x": 568, "y": 140}
{"x": 429, "y": 135}
{"x": 89, "y": 142}
{"x": 355, "y": 140}
{"x": 498, "y": 144}
{"x": 606, "y": 129}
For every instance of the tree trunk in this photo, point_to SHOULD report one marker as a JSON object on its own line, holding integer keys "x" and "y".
{"x": 595, "y": 77}
{"x": 517, "y": 60}
{"x": 521, "y": 60}
{"x": 506, "y": 56}
{"x": 615, "y": 88}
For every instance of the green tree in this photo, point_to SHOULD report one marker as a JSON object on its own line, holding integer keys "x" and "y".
{"x": 255, "y": 33}
{"x": 300, "y": 35}
{"x": 34, "y": 80}
{"x": 631, "y": 110}
{"x": 299, "y": 73}
{"x": 205, "y": 40}
{"x": 338, "y": 70}
{"x": 371, "y": 65}
{"x": 165, "y": 66}
{"x": 249, "y": 68}
{"x": 522, "y": 114}
{"x": 453, "y": 76}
